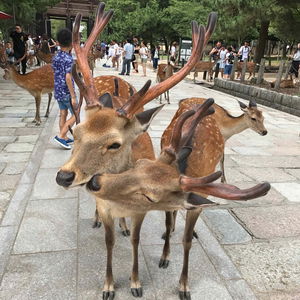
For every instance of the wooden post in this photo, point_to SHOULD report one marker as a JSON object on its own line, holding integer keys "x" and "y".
{"x": 244, "y": 68}
{"x": 279, "y": 75}
{"x": 260, "y": 75}
{"x": 288, "y": 67}
{"x": 234, "y": 67}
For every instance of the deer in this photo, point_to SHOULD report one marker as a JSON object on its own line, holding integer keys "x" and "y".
{"x": 204, "y": 66}
{"x": 164, "y": 71}
{"x": 229, "y": 125}
{"x": 113, "y": 137}
{"x": 44, "y": 57}
{"x": 159, "y": 185}
{"x": 250, "y": 68}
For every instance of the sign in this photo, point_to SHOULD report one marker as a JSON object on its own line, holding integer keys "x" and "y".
{"x": 185, "y": 51}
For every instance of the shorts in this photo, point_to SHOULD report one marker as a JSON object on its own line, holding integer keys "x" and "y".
{"x": 144, "y": 60}
{"x": 65, "y": 104}
{"x": 227, "y": 69}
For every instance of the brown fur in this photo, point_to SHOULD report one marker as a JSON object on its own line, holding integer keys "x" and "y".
{"x": 164, "y": 71}
{"x": 250, "y": 68}
{"x": 203, "y": 66}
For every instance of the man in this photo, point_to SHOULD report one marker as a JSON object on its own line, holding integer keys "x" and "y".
{"x": 128, "y": 53}
{"x": 244, "y": 52}
{"x": 215, "y": 55}
{"x": 19, "y": 39}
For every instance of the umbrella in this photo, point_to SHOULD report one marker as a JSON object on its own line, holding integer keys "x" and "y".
{"x": 3, "y": 15}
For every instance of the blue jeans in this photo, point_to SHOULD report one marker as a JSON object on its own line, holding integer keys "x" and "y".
{"x": 126, "y": 65}
{"x": 65, "y": 104}
{"x": 155, "y": 63}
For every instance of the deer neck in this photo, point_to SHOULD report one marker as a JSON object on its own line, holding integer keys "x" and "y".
{"x": 233, "y": 125}
{"x": 16, "y": 77}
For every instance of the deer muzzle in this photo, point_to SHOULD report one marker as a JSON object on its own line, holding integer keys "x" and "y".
{"x": 93, "y": 185}
{"x": 64, "y": 178}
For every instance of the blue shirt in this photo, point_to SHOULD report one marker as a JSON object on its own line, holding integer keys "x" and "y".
{"x": 62, "y": 64}
{"x": 129, "y": 49}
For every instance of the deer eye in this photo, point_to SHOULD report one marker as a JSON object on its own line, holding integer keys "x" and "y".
{"x": 114, "y": 146}
{"x": 253, "y": 119}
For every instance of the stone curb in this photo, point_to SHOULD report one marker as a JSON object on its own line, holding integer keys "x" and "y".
{"x": 11, "y": 221}
{"x": 287, "y": 103}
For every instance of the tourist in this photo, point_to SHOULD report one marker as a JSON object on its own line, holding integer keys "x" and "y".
{"x": 155, "y": 57}
{"x": 295, "y": 63}
{"x": 127, "y": 57}
{"x": 223, "y": 53}
{"x": 9, "y": 53}
{"x": 215, "y": 56}
{"x": 229, "y": 59}
{"x": 173, "y": 54}
{"x": 135, "y": 55}
{"x": 144, "y": 53}
{"x": 244, "y": 52}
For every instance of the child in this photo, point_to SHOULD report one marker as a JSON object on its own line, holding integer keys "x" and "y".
{"x": 9, "y": 53}
{"x": 229, "y": 58}
{"x": 63, "y": 86}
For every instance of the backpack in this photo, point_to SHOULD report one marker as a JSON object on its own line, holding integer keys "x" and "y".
{"x": 230, "y": 58}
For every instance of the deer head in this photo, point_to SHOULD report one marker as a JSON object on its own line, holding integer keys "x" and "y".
{"x": 158, "y": 185}
{"x": 103, "y": 142}
{"x": 254, "y": 117}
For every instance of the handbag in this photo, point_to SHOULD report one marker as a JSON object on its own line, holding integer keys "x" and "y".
{"x": 133, "y": 58}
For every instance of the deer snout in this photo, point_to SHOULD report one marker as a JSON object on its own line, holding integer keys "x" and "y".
{"x": 93, "y": 184}
{"x": 264, "y": 132}
{"x": 64, "y": 178}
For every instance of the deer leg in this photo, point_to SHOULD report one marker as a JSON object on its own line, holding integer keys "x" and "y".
{"x": 48, "y": 107}
{"x": 160, "y": 99}
{"x": 168, "y": 97}
{"x": 37, "y": 119}
{"x": 108, "y": 289}
{"x": 97, "y": 220}
{"x": 173, "y": 215}
{"x": 223, "y": 178}
{"x": 164, "y": 260}
{"x": 123, "y": 226}
{"x": 191, "y": 219}
{"x": 136, "y": 288}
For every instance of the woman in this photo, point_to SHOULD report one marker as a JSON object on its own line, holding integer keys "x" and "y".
{"x": 155, "y": 57}
{"x": 135, "y": 55}
{"x": 295, "y": 63}
{"x": 45, "y": 47}
{"x": 144, "y": 52}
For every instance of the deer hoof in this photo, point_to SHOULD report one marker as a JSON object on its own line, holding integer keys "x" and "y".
{"x": 195, "y": 234}
{"x": 97, "y": 224}
{"x": 184, "y": 295}
{"x": 46, "y": 115}
{"x": 110, "y": 295}
{"x": 163, "y": 263}
{"x": 126, "y": 232}
{"x": 137, "y": 292}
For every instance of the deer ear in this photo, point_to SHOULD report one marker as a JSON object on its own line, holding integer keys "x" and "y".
{"x": 147, "y": 116}
{"x": 106, "y": 100}
{"x": 242, "y": 106}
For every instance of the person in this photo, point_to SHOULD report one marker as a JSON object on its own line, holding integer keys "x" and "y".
{"x": 244, "y": 52}
{"x": 229, "y": 58}
{"x": 64, "y": 91}
{"x": 115, "y": 55}
{"x": 45, "y": 47}
{"x": 110, "y": 55}
{"x": 118, "y": 50}
{"x": 9, "y": 53}
{"x": 155, "y": 57}
{"x": 223, "y": 52}
{"x": 52, "y": 45}
{"x": 30, "y": 51}
{"x": 173, "y": 52}
{"x": 295, "y": 63}
{"x": 19, "y": 39}
{"x": 215, "y": 56}
{"x": 144, "y": 52}
{"x": 135, "y": 64}
{"x": 127, "y": 57}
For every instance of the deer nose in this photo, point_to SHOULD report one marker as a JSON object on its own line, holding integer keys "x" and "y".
{"x": 65, "y": 179}
{"x": 264, "y": 132}
{"x": 93, "y": 184}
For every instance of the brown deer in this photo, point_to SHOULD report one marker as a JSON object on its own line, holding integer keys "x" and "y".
{"x": 204, "y": 66}
{"x": 44, "y": 57}
{"x": 158, "y": 185}
{"x": 229, "y": 125}
{"x": 111, "y": 139}
{"x": 285, "y": 83}
{"x": 250, "y": 68}
{"x": 164, "y": 71}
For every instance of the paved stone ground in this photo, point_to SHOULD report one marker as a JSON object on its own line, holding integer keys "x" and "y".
{"x": 48, "y": 249}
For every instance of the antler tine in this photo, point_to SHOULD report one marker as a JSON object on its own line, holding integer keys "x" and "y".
{"x": 225, "y": 191}
{"x": 191, "y": 182}
{"x": 211, "y": 25}
{"x": 199, "y": 41}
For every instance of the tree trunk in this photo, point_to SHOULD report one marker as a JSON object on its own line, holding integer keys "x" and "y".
{"x": 263, "y": 36}
{"x": 166, "y": 45}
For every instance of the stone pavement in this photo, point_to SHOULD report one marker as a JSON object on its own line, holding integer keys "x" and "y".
{"x": 48, "y": 250}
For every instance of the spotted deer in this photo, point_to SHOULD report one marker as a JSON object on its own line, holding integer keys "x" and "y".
{"x": 112, "y": 137}
{"x": 159, "y": 185}
{"x": 229, "y": 125}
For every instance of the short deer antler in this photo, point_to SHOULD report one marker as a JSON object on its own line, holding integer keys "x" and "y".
{"x": 200, "y": 37}
{"x": 88, "y": 88}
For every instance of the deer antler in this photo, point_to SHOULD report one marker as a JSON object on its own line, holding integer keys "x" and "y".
{"x": 200, "y": 37}
{"x": 88, "y": 88}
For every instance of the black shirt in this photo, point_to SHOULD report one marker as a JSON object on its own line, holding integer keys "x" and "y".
{"x": 19, "y": 40}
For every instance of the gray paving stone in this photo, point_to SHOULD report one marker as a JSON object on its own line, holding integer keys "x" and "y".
{"x": 87, "y": 205}
{"x": 55, "y": 158}
{"x": 92, "y": 262}
{"x": 4, "y": 200}
{"x": 234, "y": 175}
{"x": 294, "y": 172}
{"x": 19, "y": 147}
{"x": 251, "y": 151}
{"x": 7, "y": 131}
{"x": 204, "y": 281}
{"x": 28, "y": 131}
{"x": 239, "y": 290}
{"x": 267, "y": 267}
{"x": 45, "y": 186}
{"x": 261, "y": 220}
{"x": 2, "y": 167}
{"x": 268, "y": 174}
{"x": 290, "y": 190}
{"x": 14, "y": 168}
{"x": 27, "y": 138}
{"x": 40, "y": 276}
{"x": 14, "y": 157}
{"x": 13, "y": 125}
{"x": 225, "y": 227}
{"x": 8, "y": 182}
{"x": 7, "y": 139}
{"x": 48, "y": 226}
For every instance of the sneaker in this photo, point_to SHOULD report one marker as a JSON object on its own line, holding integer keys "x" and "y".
{"x": 62, "y": 143}
{"x": 127, "y": 75}
{"x": 69, "y": 141}
{"x": 121, "y": 73}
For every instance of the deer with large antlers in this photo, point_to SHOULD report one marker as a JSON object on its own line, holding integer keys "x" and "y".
{"x": 229, "y": 125}
{"x": 159, "y": 185}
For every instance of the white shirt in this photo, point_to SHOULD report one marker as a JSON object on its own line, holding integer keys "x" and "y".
{"x": 244, "y": 51}
{"x": 111, "y": 50}
{"x": 144, "y": 52}
{"x": 223, "y": 54}
{"x": 173, "y": 51}
{"x": 297, "y": 56}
